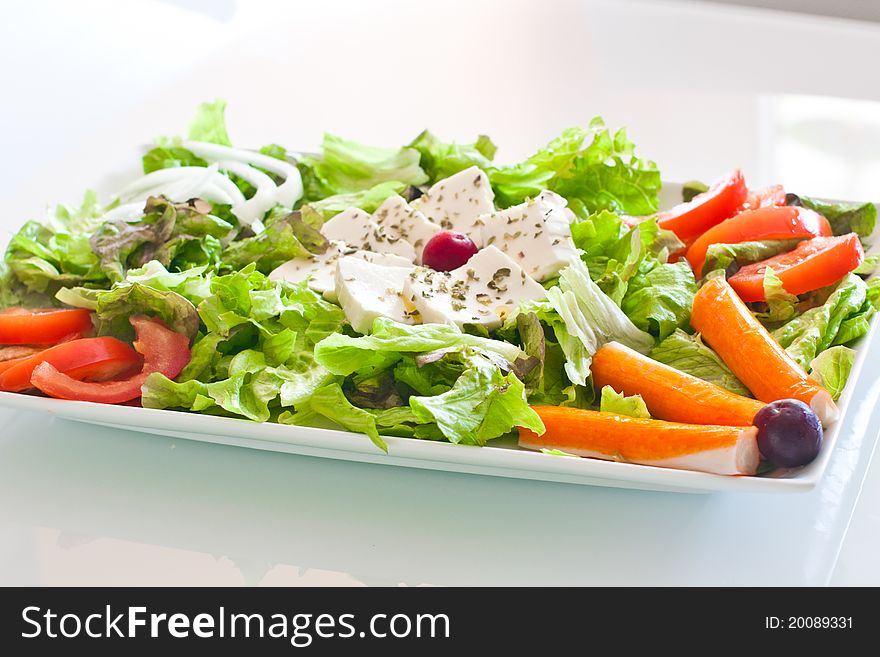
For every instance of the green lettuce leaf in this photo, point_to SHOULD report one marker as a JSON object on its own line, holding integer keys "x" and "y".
{"x": 209, "y": 124}
{"x": 484, "y": 403}
{"x": 831, "y": 369}
{"x": 869, "y": 265}
{"x": 692, "y": 188}
{"x": 586, "y": 318}
{"x": 178, "y": 235}
{"x": 590, "y": 167}
{"x": 781, "y": 305}
{"x": 614, "y": 402}
{"x": 44, "y": 256}
{"x": 317, "y": 212}
{"x": 845, "y": 217}
{"x": 441, "y": 159}
{"x": 857, "y": 324}
{"x": 331, "y": 403}
{"x": 389, "y": 340}
{"x": 253, "y": 354}
{"x": 689, "y": 354}
{"x": 721, "y": 256}
{"x": 629, "y": 265}
{"x": 115, "y": 306}
{"x": 808, "y": 335}
{"x": 346, "y": 166}
{"x": 286, "y": 236}
{"x": 169, "y": 154}
{"x": 658, "y": 299}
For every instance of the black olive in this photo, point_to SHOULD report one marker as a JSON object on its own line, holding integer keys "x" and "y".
{"x": 411, "y": 193}
{"x": 793, "y": 199}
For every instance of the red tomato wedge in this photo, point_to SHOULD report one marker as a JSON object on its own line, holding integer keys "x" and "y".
{"x": 812, "y": 264}
{"x": 772, "y": 223}
{"x": 45, "y": 326}
{"x": 94, "y": 359}
{"x": 722, "y": 200}
{"x": 765, "y": 198}
{"x": 10, "y": 356}
{"x": 164, "y": 351}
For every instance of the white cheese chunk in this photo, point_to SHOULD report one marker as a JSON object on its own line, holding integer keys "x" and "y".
{"x": 385, "y": 259}
{"x": 484, "y": 291}
{"x": 367, "y": 291}
{"x": 456, "y": 203}
{"x": 321, "y": 269}
{"x": 536, "y": 234}
{"x": 357, "y": 228}
{"x": 399, "y": 219}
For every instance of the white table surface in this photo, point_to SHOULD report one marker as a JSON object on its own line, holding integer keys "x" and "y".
{"x": 701, "y": 87}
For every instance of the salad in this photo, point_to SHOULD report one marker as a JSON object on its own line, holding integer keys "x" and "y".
{"x": 431, "y": 293}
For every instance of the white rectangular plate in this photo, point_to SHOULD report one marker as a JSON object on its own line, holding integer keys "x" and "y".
{"x": 502, "y": 458}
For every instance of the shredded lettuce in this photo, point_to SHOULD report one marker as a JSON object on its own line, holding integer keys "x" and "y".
{"x": 253, "y": 353}
{"x": 857, "y": 324}
{"x": 209, "y": 124}
{"x": 44, "y": 256}
{"x": 831, "y": 369}
{"x": 808, "y": 335}
{"x": 179, "y": 235}
{"x": 345, "y": 166}
{"x": 629, "y": 264}
{"x": 612, "y": 401}
{"x": 659, "y": 298}
{"x": 317, "y": 212}
{"x": 690, "y": 354}
{"x": 389, "y": 340}
{"x": 286, "y": 236}
{"x": 691, "y": 189}
{"x": 781, "y": 304}
{"x": 331, "y": 403}
{"x": 845, "y": 217}
{"x": 441, "y": 159}
{"x": 585, "y": 319}
{"x": 722, "y": 256}
{"x": 591, "y": 167}
{"x": 482, "y": 404}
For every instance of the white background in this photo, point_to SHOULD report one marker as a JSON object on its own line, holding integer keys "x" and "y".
{"x": 702, "y": 88}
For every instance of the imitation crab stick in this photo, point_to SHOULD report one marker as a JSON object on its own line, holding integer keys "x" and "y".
{"x": 706, "y": 448}
{"x": 669, "y": 393}
{"x": 760, "y": 362}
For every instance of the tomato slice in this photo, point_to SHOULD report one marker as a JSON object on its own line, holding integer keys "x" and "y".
{"x": 765, "y": 198}
{"x": 44, "y": 326}
{"x": 93, "y": 359}
{"x": 12, "y": 355}
{"x": 164, "y": 351}
{"x": 690, "y": 220}
{"x": 771, "y": 223}
{"x": 812, "y": 264}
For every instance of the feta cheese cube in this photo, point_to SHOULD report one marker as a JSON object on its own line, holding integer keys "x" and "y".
{"x": 536, "y": 234}
{"x": 484, "y": 291}
{"x": 456, "y": 202}
{"x": 319, "y": 269}
{"x": 399, "y": 219}
{"x": 357, "y": 228}
{"x": 367, "y": 291}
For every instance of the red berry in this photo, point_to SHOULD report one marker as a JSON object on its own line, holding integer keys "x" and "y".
{"x": 448, "y": 250}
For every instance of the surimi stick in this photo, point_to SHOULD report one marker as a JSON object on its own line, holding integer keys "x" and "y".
{"x": 611, "y": 437}
{"x": 749, "y": 350}
{"x": 669, "y": 393}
